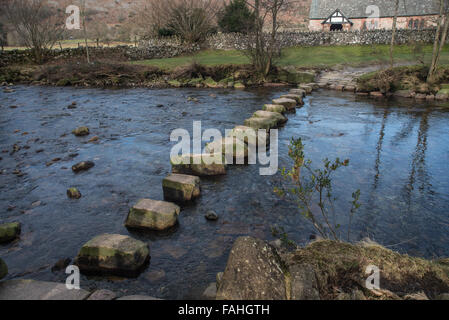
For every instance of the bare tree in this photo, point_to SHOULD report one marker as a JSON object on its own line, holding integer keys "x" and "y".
{"x": 440, "y": 38}
{"x": 262, "y": 48}
{"x": 38, "y": 25}
{"x": 191, "y": 20}
{"x": 393, "y": 32}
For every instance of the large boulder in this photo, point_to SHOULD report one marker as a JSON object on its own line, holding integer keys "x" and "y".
{"x": 253, "y": 272}
{"x": 181, "y": 187}
{"x": 303, "y": 282}
{"x": 231, "y": 143}
{"x": 153, "y": 215}
{"x": 9, "y": 231}
{"x": 3, "y": 269}
{"x": 289, "y": 104}
{"x": 278, "y": 117}
{"x": 198, "y": 165}
{"x": 275, "y": 108}
{"x": 39, "y": 290}
{"x": 113, "y": 254}
{"x": 442, "y": 95}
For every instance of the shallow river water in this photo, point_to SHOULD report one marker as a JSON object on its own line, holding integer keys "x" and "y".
{"x": 399, "y": 153}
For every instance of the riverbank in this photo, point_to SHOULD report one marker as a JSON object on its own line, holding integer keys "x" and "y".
{"x": 329, "y": 270}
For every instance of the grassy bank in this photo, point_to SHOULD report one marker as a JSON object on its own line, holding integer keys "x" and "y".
{"x": 307, "y": 56}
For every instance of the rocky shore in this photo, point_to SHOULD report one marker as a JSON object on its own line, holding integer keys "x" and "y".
{"x": 328, "y": 270}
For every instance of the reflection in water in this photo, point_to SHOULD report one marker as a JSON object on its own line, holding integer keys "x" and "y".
{"x": 408, "y": 199}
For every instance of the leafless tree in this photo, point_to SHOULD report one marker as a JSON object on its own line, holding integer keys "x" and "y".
{"x": 262, "y": 48}
{"x": 37, "y": 24}
{"x": 191, "y": 20}
{"x": 393, "y": 32}
{"x": 440, "y": 38}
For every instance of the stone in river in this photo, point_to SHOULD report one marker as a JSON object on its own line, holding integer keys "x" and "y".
{"x": 82, "y": 166}
{"x": 9, "y": 231}
{"x": 280, "y": 119}
{"x": 211, "y": 216}
{"x": 73, "y": 193}
{"x": 181, "y": 187}
{"x": 274, "y": 108}
{"x": 296, "y": 97}
{"x": 153, "y": 215}
{"x": 113, "y": 254}
{"x": 289, "y": 104}
{"x": 81, "y": 131}
{"x": 262, "y": 123}
{"x": 198, "y": 165}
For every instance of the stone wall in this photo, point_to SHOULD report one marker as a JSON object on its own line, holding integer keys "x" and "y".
{"x": 157, "y": 49}
{"x": 290, "y": 39}
{"x": 172, "y": 47}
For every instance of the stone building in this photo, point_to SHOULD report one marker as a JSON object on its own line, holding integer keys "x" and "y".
{"x": 352, "y": 15}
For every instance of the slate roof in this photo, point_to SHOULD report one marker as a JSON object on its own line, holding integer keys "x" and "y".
{"x": 322, "y": 9}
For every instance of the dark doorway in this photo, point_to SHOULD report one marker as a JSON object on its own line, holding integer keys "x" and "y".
{"x": 336, "y": 27}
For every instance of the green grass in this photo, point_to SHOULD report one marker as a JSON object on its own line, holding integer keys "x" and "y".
{"x": 306, "y": 56}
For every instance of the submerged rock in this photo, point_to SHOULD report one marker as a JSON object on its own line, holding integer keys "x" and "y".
{"x": 181, "y": 187}
{"x": 113, "y": 254}
{"x": 198, "y": 165}
{"x": 9, "y": 231}
{"x": 253, "y": 272}
{"x": 153, "y": 215}
{"x": 82, "y": 166}
{"x": 38, "y": 290}
{"x": 3, "y": 269}
{"x": 81, "y": 131}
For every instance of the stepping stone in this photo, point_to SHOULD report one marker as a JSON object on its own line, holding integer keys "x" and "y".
{"x": 249, "y": 135}
{"x": 38, "y": 290}
{"x": 238, "y": 148}
{"x": 308, "y": 89}
{"x": 181, "y": 187}
{"x": 261, "y": 123}
{"x": 3, "y": 269}
{"x": 113, "y": 254}
{"x": 9, "y": 231}
{"x": 199, "y": 164}
{"x": 153, "y": 215}
{"x": 280, "y": 119}
{"x": 275, "y": 108}
{"x": 300, "y": 92}
{"x": 296, "y": 97}
{"x": 289, "y": 104}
